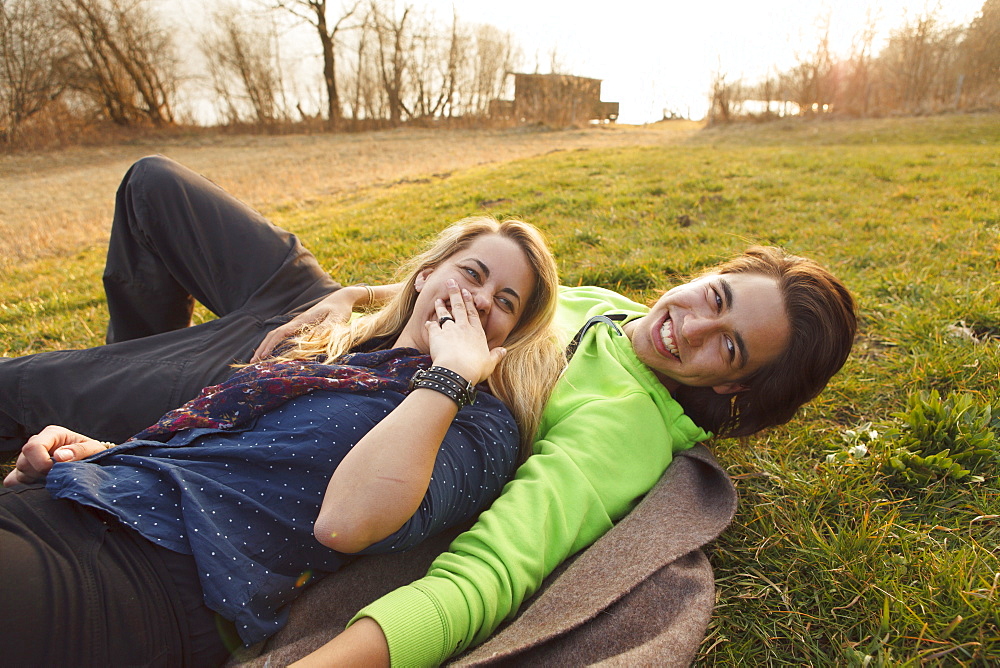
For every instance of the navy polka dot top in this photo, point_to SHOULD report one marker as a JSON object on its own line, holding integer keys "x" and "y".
{"x": 243, "y": 502}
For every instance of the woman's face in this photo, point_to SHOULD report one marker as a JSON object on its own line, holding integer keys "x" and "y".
{"x": 713, "y": 332}
{"x": 494, "y": 270}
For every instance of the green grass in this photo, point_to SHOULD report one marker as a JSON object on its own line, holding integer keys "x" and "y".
{"x": 826, "y": 563}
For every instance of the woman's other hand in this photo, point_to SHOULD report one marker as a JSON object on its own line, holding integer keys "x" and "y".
{"x": 337, "y": 305}
{"x": 50, "y": 445}
{"x": 458, "y": 340}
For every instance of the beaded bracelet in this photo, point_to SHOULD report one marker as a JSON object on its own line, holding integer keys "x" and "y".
{"x": 447, "y": 382}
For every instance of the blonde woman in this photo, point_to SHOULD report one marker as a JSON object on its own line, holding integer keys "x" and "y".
{"x": 356, "y": 438}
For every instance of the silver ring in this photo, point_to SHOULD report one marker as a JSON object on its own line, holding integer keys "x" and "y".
{"x": 443, "y": 319}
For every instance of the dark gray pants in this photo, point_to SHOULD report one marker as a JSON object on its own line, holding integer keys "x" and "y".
{"x": 78, "y": 588}
{"x": 176, "y": 238}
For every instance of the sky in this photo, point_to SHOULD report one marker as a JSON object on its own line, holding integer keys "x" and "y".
{"x": 657, "y": 56}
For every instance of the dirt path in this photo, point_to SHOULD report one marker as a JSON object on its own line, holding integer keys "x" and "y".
{"x": 58, "y": 202}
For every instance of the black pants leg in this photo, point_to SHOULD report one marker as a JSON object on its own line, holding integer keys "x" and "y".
{"x": 176, "y": 237}
{"x": 77, "y": 588}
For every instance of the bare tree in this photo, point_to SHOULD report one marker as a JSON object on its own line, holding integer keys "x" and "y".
{"x": 457, "y": 59}
{"x": 812, "y": 83}
{"x": 454, "y": 76}
{"x": 427, "y": 70}
{"x": 30, "y": 54}
{"x": 393, "y": 46}
{"x": 768, "y": 92}
{"x": 927, "y": 65}
{"x": 359, "y": 82}
{"x": 726, "y": 99}
{"x": 244, "y": 68}
{"x": 315, "y": 13}
{"x": 855, "y": 97}
{"x": 918, "y": 64}
{"x": 121, "y": 59}
{"x": 980, "y": 57}
{"x": 397, "y": 65}
{"x": 460, "y": 72}
{"x": 494, "y": 60}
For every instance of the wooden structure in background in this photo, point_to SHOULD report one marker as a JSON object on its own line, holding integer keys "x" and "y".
{"x": 559, "y": 100}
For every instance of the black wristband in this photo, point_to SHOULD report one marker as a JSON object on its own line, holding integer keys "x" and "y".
{"x": 459, "y": 379}
{"x": 447, "y": 382}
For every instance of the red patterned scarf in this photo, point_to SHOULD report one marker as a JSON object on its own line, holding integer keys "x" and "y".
{"x": 264, "y": 386}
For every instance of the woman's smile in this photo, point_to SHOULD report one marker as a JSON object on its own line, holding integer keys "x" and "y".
{"x": 497, "y": 274}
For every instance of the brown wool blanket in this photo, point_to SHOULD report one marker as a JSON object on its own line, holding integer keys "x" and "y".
{"x": 641, "y": 595}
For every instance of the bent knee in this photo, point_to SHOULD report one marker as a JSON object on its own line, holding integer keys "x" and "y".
{"x": 154, "y": 171}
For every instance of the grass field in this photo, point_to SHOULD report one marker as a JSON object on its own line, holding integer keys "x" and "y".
{"x": 856, "y": 543}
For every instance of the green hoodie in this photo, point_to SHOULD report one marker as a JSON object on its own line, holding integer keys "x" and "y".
{"x": 607, "y": 434}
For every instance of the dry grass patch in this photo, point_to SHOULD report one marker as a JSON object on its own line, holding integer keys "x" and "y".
{"x": 59, "y": 202}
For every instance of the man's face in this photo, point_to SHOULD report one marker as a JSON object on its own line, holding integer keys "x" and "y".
{"x": 712, "y": 332}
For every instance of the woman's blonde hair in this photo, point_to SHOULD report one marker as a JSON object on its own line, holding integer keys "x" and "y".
{"x": 524, "y": 377}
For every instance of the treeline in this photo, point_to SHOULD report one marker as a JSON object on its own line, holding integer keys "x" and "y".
{"x": 72, "y": 66}
{"x": 926, "y": 66}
